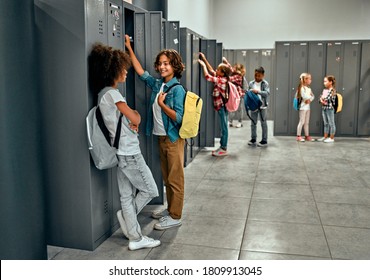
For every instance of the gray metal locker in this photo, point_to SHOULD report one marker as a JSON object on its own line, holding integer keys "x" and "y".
{"x": 343, "y": 60}
{"x": 347, "y": 119}
{"x": 185, "y": 52}
{"x": 298, "y": 66}
{"x": 363, "y": 123}
{"x": 283, "y": 100}
{"x": 219, "y": 55}
{"x": 208, "y": 47}
{"x": 195, "y": 87}
{"x": 266, "y": 61}
{"x": 79, "y": 197}
{"x": 253, "y": 62}
{"x": 147, "y": 44}
{"x": 172, "y": 35}
{"x": 316, "y": 67}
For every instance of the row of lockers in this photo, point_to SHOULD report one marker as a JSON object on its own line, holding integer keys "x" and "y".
{"x": 81, "y": 200}
{"x": 348, "y": 61}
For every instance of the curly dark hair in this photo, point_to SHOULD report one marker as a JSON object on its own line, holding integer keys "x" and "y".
{"x": 175, "y": 61}
{"x": 106, "y": 65}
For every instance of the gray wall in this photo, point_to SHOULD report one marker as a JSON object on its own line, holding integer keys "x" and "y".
{"x": 232, "y": 22}
{"x": 22, "y": 227}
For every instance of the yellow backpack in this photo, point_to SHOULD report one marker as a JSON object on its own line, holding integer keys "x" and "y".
{"x": 338, "y": 103}
{"x": 192, "y": 113}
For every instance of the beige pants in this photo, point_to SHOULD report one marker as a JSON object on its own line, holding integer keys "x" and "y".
{"x": 172, "y": 166}
{"x": 304, "y": 121}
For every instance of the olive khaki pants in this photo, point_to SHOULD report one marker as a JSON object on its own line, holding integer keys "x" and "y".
{"x": 172, "y": 166}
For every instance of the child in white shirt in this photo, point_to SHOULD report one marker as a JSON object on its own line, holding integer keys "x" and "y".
{"x": 304, "y": 93}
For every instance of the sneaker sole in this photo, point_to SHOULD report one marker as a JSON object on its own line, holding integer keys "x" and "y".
{"x": 166, "y": 227}
{"x": 224, "y": 155}
{"x": 156, "y": 244}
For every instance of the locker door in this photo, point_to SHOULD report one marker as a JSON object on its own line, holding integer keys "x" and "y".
{"x": 147, "y": 44}
{"x": 208, "y": 47}
{"x": 219, "y": 55}
{"x": 241, "y": 57}
{"x": 283, "y": 100}
{"x": 347, "y": 124}
{"x": 115, "y": 39}
{"x": 266, "y": 59}
{"x": 363, "y": 123}
{"x": 298, "y": 66}
{"x": 172, "y": 35}
{"x": 316, "y": 67}
{"x": 334, "y": 61}
{"x": 253, "y": 62}
{"x": 185, "y": 52}
{"x": 195, "y": 86}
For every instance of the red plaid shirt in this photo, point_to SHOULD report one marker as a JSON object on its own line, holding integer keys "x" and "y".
{"x": 219, "y": 89}
{"x": 238, "y": 81}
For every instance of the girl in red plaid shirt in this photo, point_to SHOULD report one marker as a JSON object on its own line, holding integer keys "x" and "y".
{"x": 220, "y": 78}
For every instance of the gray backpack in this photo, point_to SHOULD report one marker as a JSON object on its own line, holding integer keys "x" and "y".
{"x": 102, "y": 152}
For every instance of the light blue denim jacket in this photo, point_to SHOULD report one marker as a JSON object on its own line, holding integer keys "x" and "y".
{"x": 174, "y": 99}
{"x": 265, "y": 91}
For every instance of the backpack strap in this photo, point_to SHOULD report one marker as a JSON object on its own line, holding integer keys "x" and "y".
{"x": 118, "y": 132}
{"x": 171, "y": 86}
{"x": 104, "y": 129}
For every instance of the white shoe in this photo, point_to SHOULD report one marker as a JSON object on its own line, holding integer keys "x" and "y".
{"x": 322, "y": 139}
{"x": 122, "y": 223}
{"x": 159, "y": 213}
{"x": 167, "y": 222}
{"x": 145, "y": 242}
{"x": 239, "y": 125}
{"x": 329, "y": 140}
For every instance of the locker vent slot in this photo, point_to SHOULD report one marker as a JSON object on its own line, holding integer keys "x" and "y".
{"x": 101, "y": 27}
{"x": 106, "y": 207}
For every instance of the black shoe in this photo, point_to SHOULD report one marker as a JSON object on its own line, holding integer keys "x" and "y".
{"x": 262, "y": 143}
{"x": 252, "y": 142}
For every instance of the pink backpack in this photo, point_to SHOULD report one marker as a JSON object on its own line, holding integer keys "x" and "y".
{"x": 233, "y": 98}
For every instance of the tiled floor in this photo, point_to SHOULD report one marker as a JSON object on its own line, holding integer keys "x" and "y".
{"x": 287, "y": 201}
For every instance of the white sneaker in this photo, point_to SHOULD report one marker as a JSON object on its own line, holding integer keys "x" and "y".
{"x": 322, "y": 139}
{"x": 122, "y": 223}
{"x": 167, "y": 222}
{"x": 160, "y": 213}
{"x": 328, "y": 140}
{"x": 239, "y": 125}
{"x": 145, "y": 242}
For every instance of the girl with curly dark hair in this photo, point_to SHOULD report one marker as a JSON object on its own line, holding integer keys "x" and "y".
{"x": 135, "y": 180}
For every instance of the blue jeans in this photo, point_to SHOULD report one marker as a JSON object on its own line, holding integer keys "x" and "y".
{"x": 263, "y": 119}
{"x": 329, "y": 121}
{"x": 224, "y": 116}
{"x": 134, "y": 175}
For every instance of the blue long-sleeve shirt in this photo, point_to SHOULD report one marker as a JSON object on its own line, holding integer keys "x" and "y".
{"x": 174, "y": 99}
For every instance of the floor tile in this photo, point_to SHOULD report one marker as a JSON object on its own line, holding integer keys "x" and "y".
{"x": 348, "y": 243}
{"x": 349, "y": 194}
{"x": 248, "y": 255}
{"x": 283, "y": 191}
{"x": 207, "y": 231}
{"x": 284, "y": 211}
{"x": 171, "y": 251}
{"x": 348, "y": 215}
{"x": 217, "y": 207}
{"x": 285, "y": 238}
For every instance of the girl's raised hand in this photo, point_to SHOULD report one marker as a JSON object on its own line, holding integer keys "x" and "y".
{"x": 201, "y": 62}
